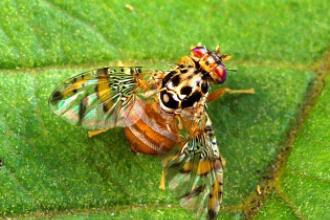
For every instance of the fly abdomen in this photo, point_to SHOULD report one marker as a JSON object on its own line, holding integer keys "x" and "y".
{"x": 151, "y": 134}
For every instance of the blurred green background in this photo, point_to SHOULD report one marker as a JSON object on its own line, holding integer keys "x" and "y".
{"x": 277, "y": 140}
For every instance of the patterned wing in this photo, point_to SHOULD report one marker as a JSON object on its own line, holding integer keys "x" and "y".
{"x": 196, "y": 176}
{"x": 100, "y": 99}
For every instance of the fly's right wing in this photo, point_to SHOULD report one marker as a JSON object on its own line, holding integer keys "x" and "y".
{"x": 100, "y": 99}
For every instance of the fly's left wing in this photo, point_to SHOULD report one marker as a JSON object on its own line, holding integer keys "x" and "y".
{"x": 100, "y": 99}
{"x": 195, "y": 174}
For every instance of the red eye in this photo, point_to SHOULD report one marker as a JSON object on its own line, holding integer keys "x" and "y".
{"x": 199, "y": 52}
{"x": 221, "y": 73}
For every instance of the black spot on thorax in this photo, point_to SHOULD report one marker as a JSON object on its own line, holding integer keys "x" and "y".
{"x": 183, "y": 70}
{"x": 170, "y": 102}
{"x": 204, "y": 87}
{"x": 176, "y": 80}
{"x": 191, "y": 100}
{"x": 167, "y": 77}
{"x": 186, "y": 90}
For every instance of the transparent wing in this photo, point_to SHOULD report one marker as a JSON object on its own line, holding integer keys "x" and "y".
{"x": 195, "y": 174}
{"x": 100, "y": 99}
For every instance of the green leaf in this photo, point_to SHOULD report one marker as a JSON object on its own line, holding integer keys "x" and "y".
{"x": 50, "y": 168}
{"x": 56, "y": 32}
{"x": 304, "y": 185}
{"x": 51, "y": 165}
{"x": 276, "y": 209}
{"x": 160, "y": 214}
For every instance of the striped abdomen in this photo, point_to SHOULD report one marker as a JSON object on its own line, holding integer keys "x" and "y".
{"x": 152, "y": 134}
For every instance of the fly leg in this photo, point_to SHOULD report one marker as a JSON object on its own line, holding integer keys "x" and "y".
{"x": 162, "y": 184}
{"x": 221, "y": 91}
{"x": 165, "y": 162}
{"x": 163, "y": 179}
{"x": 96, "y": 132}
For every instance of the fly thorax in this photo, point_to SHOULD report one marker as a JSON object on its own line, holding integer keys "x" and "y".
{"x": 182, "y": 88}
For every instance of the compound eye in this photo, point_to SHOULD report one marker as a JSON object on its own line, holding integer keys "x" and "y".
{"x": 221, "y": 73}
{"x": 199, "y": 52}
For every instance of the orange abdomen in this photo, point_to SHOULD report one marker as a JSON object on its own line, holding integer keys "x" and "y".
{"x": 152, "y": 134}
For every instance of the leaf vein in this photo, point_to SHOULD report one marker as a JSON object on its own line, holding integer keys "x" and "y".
{"x": 285, "y": 198}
